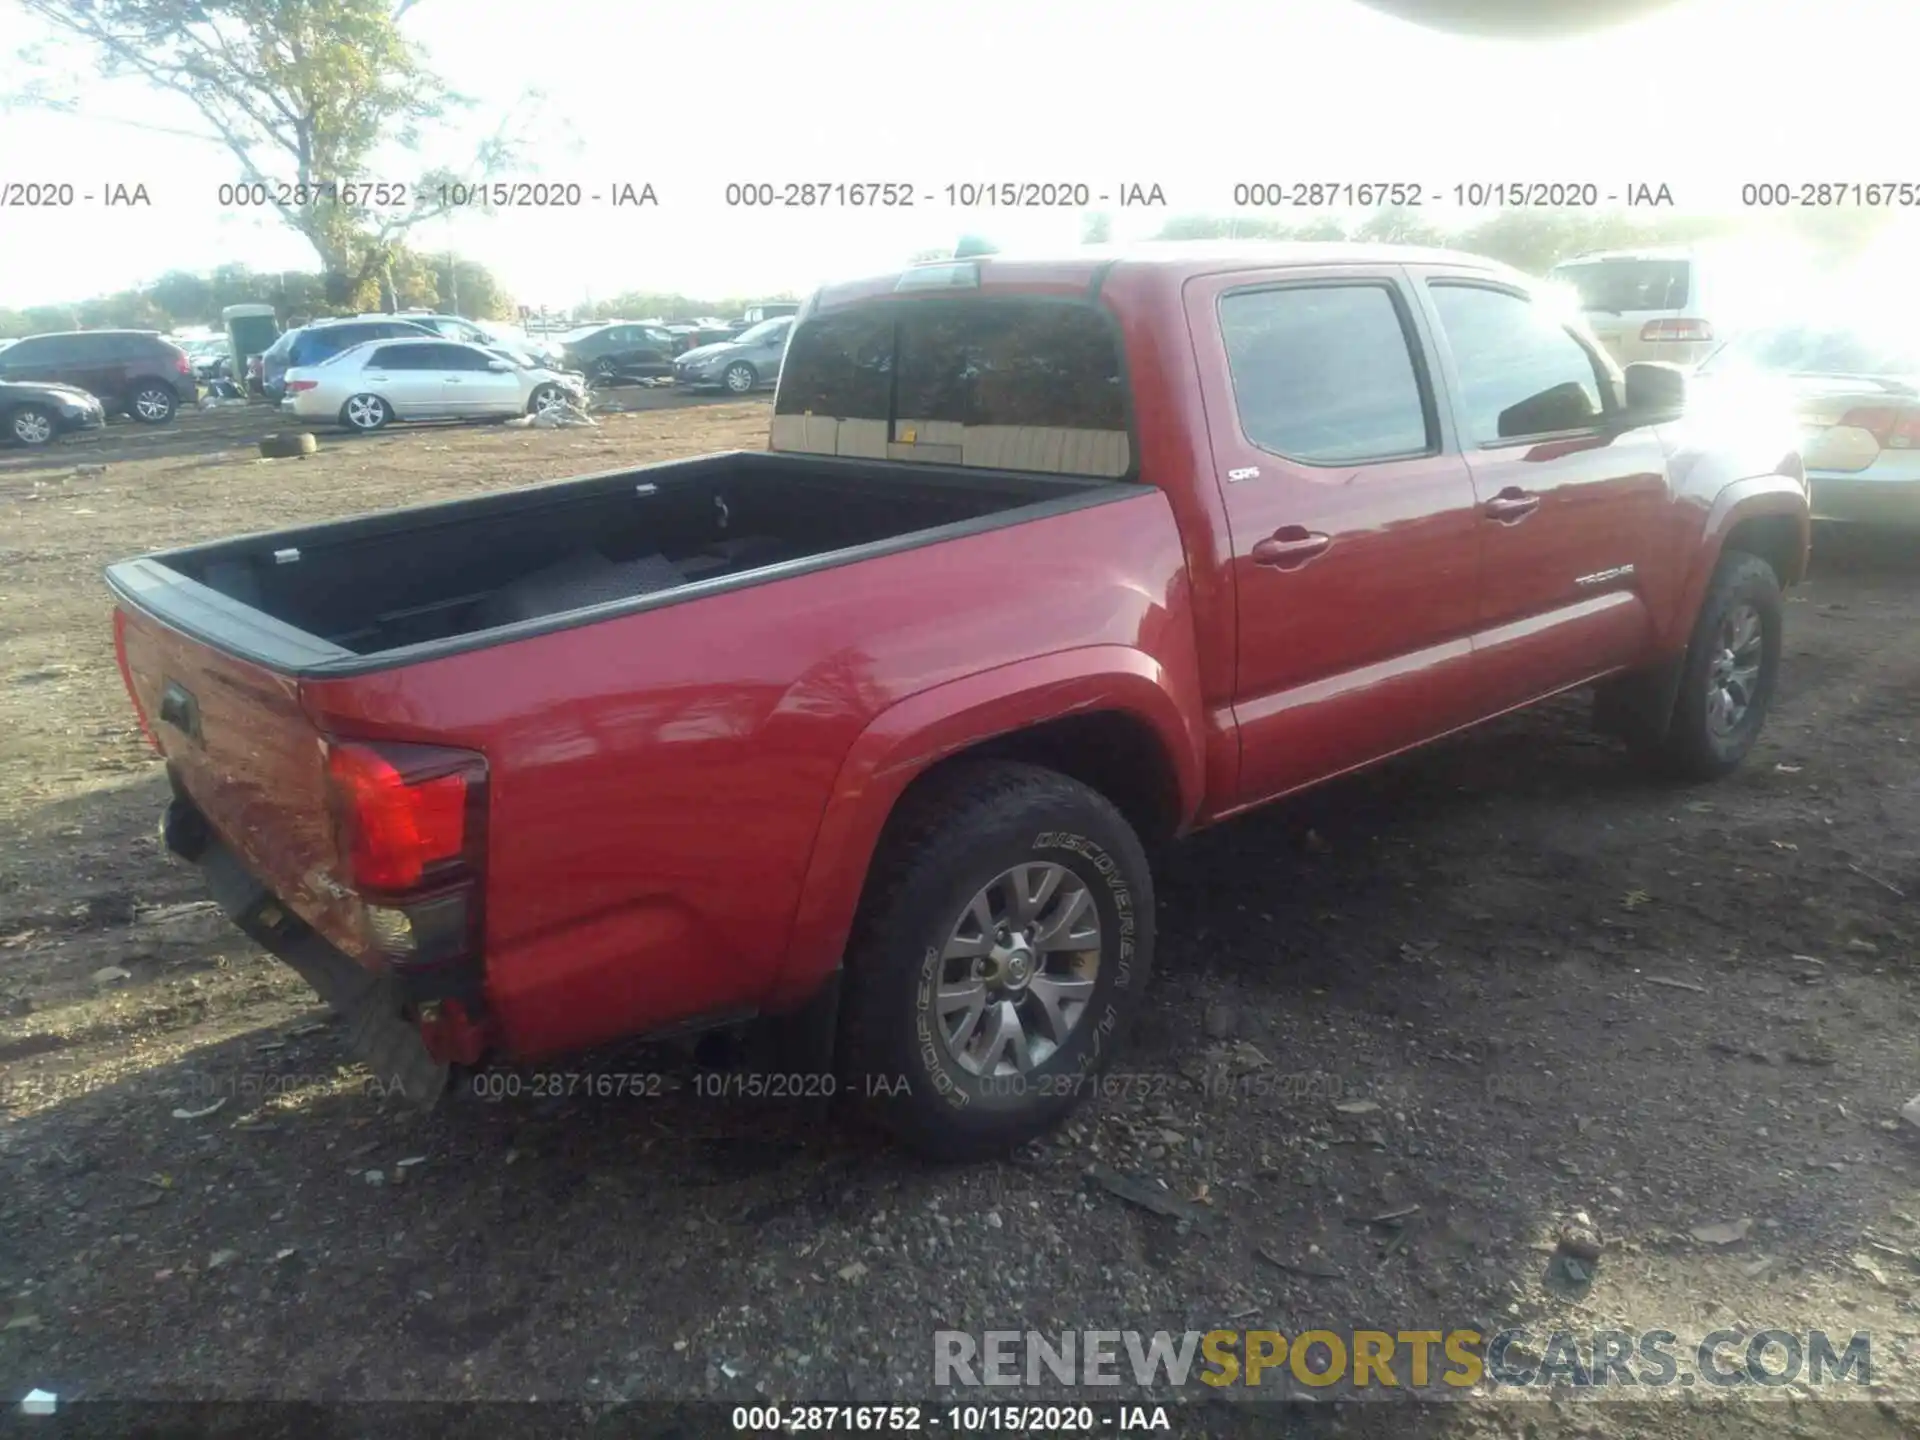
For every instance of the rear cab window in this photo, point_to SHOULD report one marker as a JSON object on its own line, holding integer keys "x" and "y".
{"x": 1628, "y": 286}
{"x": 996, "y": 382}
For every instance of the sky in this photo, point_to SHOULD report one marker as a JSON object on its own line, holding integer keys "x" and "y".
{"x": 690, "y": 98}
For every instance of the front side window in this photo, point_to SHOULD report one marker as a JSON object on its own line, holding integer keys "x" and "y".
{"x": 462, "y": 357}
{"x": 1325, "y": 373}
{"x": 1521, "y": 373}
{"x": 993, "y": 382}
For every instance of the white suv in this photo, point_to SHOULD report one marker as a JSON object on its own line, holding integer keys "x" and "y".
{"x": 1644, "y": 304}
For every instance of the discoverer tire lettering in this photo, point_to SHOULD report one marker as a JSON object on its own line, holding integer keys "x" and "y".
{"x": 967, "y": 826}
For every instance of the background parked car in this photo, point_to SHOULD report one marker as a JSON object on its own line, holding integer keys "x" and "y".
{"x": 379, "y": 381}
{"x": 766, "y": 310}
{"x": 36, "y": 414}
{"x": 740, "y": 365}
{"x": 620, "y": 350}
{"x": 132, "y": 372}
{"x": 310, "y": 344}
{"x": 1855, "y": 390}
{"x": 1644, "y": 304}
{"x": 211, "y": 354}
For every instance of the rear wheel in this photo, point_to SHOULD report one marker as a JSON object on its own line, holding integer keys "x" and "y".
{"x": 741, "y": 378}
{"x": 365, "y": 413}
{"x": 1002, "y": 946}
{"x": 1727, "y": 681}
{"x": 152, "y": 402}
{"x": 31, "y": 425}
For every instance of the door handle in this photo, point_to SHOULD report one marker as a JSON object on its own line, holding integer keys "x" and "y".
{"x": 1510, "y": 506}
{"x": 453, "y": 379}
{"x": 1289, "y": 547}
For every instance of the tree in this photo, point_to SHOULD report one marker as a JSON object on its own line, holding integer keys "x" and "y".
{"x": 302, "y": 93}
{"x": 181, "y": 298}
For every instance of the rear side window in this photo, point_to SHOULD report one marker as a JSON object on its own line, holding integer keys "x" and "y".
{"x": 42, "y": 350}
{"x": 1000, "y": 383}
{"x": 1521, "y": 373}
{"x": 1620, "y": 286}
{"x": 1325, "y": 373}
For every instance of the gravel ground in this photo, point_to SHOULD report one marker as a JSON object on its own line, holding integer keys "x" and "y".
{"x": 1490, "y": 991}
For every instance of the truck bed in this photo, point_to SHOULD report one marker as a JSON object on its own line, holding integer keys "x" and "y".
{"x": 390, "y": 588}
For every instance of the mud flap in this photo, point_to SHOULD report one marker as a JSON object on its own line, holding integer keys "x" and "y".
{"x": 1638, "y": 708}
{"x": 377, "y": 1035}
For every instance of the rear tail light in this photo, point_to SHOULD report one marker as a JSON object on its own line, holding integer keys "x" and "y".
{"x": 411, "y": 826}
{"x": 1697, "y": 331}
{"x": 298, "y": 385}
{"x": 1893, "y": 427}
{"x": 126, "y": 677}
{"x": 183, "y": 362}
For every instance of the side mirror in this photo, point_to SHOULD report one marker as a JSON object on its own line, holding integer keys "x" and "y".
{"x": 499, "y": 366}
{"x": 1655, "y": 391}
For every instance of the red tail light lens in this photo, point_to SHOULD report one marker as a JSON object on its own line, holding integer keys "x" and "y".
{"x": 296, "y": 385}
{"x": 126, "y": 676}
{"x": 407, "y": 815}
{"x": 1893, "y": 427}
{"x": 1697, "y": 331}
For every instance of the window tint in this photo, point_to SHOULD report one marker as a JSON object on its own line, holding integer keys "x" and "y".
{"x": 1015, "y": 384}
{"x": 1521, "y": 373}
{"x": 1324, "y": 373}
{"x": 841, "y": 367}
{"x": 1618, "y": 286}
{"x": 41, "y": 350}
{"x": 465, "y": 357}
{"x": 394, "y": 357}
{"x": 1032, "y": 364}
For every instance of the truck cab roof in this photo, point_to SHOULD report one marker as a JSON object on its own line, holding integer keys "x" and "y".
{"x": 1087, "y": 269}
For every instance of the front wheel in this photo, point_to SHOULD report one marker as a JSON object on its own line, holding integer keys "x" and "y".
{"x": 1001, "y": 949}
{"x": 31, "y": 425}
{"x": 1727, "y": 680}
{"x": 546, "y": 397}
{"x": 741, "y": 378}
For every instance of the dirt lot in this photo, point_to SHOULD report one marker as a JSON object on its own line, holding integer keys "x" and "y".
{"x": 1560, "y": 989}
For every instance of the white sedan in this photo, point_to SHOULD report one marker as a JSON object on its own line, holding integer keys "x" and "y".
{"x": 371, "y": 384}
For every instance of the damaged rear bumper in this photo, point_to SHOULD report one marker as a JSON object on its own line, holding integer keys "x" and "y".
{"x": 372, "y": 1001}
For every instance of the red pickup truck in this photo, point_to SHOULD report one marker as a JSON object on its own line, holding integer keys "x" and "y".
{"x": 865, "y": 738}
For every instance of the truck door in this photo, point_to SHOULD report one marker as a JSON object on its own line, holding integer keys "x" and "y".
{"x": 1352, "y": 519}
{"x": 1573, "y": 505}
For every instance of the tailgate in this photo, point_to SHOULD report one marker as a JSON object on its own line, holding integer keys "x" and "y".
{"x": 241, "y": 748}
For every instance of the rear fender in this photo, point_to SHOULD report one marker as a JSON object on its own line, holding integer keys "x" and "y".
{"x": 904, "y": 741}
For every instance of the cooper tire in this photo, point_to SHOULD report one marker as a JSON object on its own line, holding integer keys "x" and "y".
{"x": 967, "y": 831}
{"x": 283, "y": 446}
{"x": 1706, "y": 740}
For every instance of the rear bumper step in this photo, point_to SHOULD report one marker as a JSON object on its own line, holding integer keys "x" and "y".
{"x": 378, "y": 1036}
